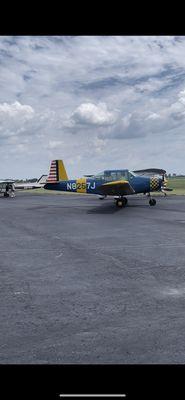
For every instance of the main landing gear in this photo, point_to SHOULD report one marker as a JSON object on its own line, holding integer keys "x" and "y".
{"x": 121, "y": 202}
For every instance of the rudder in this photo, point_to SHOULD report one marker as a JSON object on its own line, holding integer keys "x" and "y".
{"x": 57, "y": 172}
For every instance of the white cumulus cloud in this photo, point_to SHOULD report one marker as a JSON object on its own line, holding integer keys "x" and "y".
{"x": 15, "y": 119}
{"x": 16, "y": 109}
{"x": 182, "y": 97}
{"x": 92, "y": 114}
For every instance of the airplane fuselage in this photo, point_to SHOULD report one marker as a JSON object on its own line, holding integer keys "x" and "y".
{"x": 140, "y": 184}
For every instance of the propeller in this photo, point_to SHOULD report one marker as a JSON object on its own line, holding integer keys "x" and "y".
{"x": 156, "y": 172}
{"x": 164, "y": 187}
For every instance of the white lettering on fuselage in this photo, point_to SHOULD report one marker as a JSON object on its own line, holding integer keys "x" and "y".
{"x": 73, "y": 185}
{"x": 93, "y": 187}
{"x": 68, "y": 186}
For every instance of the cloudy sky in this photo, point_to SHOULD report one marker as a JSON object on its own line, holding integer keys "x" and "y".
{"x": 96, "y": 102}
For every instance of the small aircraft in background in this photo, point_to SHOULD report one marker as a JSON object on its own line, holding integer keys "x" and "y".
{"x": 117, "y": 183}
{"x": 5, "y": 186}
{"x": 21, "y": 186}
{"x": 32, "y": 185}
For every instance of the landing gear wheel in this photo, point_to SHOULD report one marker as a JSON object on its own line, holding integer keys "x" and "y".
{"x": 152, "y": 202}
{"x": 121, "y": 202}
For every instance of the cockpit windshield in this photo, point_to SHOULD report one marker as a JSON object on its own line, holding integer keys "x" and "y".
{"x": 131, "y": 174}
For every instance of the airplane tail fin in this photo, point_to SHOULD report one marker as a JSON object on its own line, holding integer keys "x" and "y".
{"x": 57, "y": 172}
{"x": 42, "y": 179}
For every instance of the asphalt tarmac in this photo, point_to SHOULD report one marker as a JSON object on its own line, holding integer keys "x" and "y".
{"x": 85, "y": 282}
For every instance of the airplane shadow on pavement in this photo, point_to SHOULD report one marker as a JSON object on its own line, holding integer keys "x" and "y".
{"x": 105, "y": 209}
{"x": 112, "y": 208}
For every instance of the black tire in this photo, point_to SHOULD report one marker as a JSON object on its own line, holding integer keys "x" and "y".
{"x": 152, "y": 202}
{"x": 6, "y": 194}
{"x": 119, "y": 203}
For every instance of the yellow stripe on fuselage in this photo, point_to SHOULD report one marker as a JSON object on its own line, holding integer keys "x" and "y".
{"x": 115, "y": 182}
{"x": 81, "y": 185}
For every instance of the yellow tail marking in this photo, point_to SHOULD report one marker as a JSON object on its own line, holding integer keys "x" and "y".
{"x": 81, "y": 185}
{"x": 62, "y": 175}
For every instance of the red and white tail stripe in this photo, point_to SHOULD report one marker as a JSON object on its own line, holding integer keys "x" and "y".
{"x": 52, "y": 177}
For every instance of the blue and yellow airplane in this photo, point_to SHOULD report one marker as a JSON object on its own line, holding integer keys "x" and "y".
{"x": 118, "y": 183}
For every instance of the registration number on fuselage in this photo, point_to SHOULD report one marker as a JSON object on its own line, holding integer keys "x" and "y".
{"x": 80, "y": 186}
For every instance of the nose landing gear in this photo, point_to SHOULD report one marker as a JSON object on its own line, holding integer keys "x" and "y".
{"x": 152, "y": 202}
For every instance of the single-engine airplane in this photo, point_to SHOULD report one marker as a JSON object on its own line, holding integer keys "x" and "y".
{"x": 117, "y": 183}
{"x": 32, "y": 185}
{"x": 21, "y": 186}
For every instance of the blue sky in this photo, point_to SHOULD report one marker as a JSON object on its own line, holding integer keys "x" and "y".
{"x": 97, "y": 102}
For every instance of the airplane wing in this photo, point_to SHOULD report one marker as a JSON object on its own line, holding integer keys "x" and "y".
{"x": 150, "y": 171}
{"x": 32, "y": 185}
{"x": 117, "y": 188}
{"x": 7, "y": 181}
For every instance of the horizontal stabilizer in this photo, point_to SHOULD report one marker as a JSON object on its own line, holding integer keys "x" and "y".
{"x": 167, "y": 189}
{"x": 88, "y": 176}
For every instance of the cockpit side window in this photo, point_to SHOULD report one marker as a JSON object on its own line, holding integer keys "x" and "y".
{"x": 99, "y": 176}
{"x": 115, "y": 175}
{"x": 109, "y": 176}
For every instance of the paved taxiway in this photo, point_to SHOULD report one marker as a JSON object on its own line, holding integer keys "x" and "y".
{"x": 85, "y": 282}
